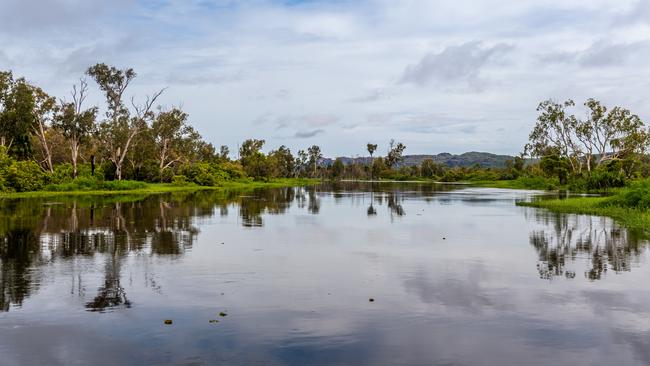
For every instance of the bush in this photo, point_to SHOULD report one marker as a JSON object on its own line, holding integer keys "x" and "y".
{"x": 234, "y": 170}
{"x": 123, "y": 185}
{"x": 636, "y": 196}
{"x": 200, "y": 173}
{"x": 24, "y": 176}
{"x": 180, "y": 181}
{"x": 602, "y": 178}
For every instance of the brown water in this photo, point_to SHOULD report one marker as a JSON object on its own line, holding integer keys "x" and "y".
{"x": 459, "y": 276}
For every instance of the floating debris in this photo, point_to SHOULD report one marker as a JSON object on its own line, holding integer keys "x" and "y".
{"x": 222, "y": 314}
{"x": 443, "y": 238}
{"x": 213, "y": 321}
{"x": 168, "y": 321}
{"x": 371, "y": 299}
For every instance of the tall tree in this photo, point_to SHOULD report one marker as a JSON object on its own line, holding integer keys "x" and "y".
{"x": 314, "y": 156}
{"x": 604, "y": 136}
{"x": 122, "y": 126}
{"x": 16, "y": 115}
{"x": 76, "y": 123}
{"x": 300, "y": 163}
{"x": 175, "y": 139}
{"x": 282, "y": 161}
{"x": 44, "y": 110}
{"x": 371, "y": 149}
{"x": 395, "y": 152}
{"x": 253, "y": 161}
{"x": 224, "y": 153}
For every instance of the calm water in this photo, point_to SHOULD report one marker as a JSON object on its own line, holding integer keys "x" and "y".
{"x": 459, "y": 276}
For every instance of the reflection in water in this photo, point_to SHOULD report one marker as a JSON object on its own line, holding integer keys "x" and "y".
{"x": 451, "y": 270}
{"x": 34, "y": 232}
{"x": 598, "y": 242}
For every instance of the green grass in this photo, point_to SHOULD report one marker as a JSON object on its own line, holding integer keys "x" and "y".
{"x": 141, "y": 188}
{"x": 536, "y": 183}
{"x": 631, "y": 217}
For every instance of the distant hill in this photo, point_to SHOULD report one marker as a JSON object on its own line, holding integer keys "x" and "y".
{"x": 486, "y": 160}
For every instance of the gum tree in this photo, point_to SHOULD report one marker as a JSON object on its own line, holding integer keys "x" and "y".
{"x": 76, "y": 123}
{"x": 122, "y": 125}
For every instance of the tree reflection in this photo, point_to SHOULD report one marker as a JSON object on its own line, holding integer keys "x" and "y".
{"x": 34, "y": 232}
{"x": 106, "y": 231}
{"x": 596, "y": 242}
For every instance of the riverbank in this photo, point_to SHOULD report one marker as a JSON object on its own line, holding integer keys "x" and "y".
{"x": 158, "y": 188}
{"x": 630, "y": 217}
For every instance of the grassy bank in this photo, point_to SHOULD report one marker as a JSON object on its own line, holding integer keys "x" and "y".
{"x": 141, "y": 188}
{"x": 629, "y": 206}
{"x": 535, "y": 183}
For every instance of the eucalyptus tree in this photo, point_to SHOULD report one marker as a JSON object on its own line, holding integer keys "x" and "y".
{"x": 282, "y": 161}
{"x": 314, "y": 156}
{"x": 395, "y": 152}
{"x": 371, "y": 150}
{"x": 45, "y": 108}
{"x": 122, "y": 125}
{"x": 76, "y": 123}
{"x": 300, "y": 162}
{"x": 610, "y": 135}
{"x": 606, "y": 135}
{"x": 224, "y": 153}
{"x": 16, "y": 115}
{"x": 252, "y": 159}
{"x": 174, "y": 138}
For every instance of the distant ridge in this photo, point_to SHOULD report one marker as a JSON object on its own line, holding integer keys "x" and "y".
{"x": 468, "y": 159}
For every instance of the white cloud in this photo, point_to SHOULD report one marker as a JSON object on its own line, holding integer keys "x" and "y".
{"x": 458, "y": 63}
{"x": 343, "y": 73}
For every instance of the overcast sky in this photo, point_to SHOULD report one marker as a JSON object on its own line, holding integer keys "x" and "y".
{"x": 438, "y": 75}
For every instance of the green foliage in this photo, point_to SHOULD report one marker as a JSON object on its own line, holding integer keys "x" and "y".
{"x": 337, "y": 169}
{"x": 87, "y": 183}
{"x": 180, "y": 181}
{"x": 200, "y": 173}
{"x": 23, "y": 176}
{"x": 635, "y": 196}
{"x": 17, "y": 115}
{"x": 395, "y": 153}
{"x": 123, "y": 185}
{"x": 63, "y": 173}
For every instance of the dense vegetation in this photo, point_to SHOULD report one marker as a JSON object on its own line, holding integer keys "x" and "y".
{"x": 64, "y": 145}
{"x": 46, "y": 144}
{"x": 629, "y": 206}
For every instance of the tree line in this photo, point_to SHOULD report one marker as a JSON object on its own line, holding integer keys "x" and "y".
{"x": 45, "y": 140}
{"x": 64, "y": 143}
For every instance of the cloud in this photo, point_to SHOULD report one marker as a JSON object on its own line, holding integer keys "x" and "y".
{"x": 205, "y": 78}
{"x": 639, "y": 13}
{"x": 297, "y": 122}
{"x": 372, "y": 96}
{"x": 462, "y": 63}
{"x": 605, "y": 53}
{"x": 308, "y": 134}
{"x": 271, "y": 68}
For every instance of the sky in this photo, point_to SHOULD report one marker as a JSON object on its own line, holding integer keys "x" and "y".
{"x": 437, "y": 75}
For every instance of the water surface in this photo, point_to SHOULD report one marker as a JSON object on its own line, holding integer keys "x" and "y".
{"x": 459, "y": 276}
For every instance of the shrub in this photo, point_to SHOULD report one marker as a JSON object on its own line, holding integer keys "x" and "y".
{"x": 24, "y": 176}
{"x": 180, "y": 181}
{"x": 636, "y": 196}
{"x": 123, "y": 185}
{"x": 234, "y": 170}
{"x": 62, "y": 174}
{"x": 200, "y": 173}
{"x": 602, "y": 178}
